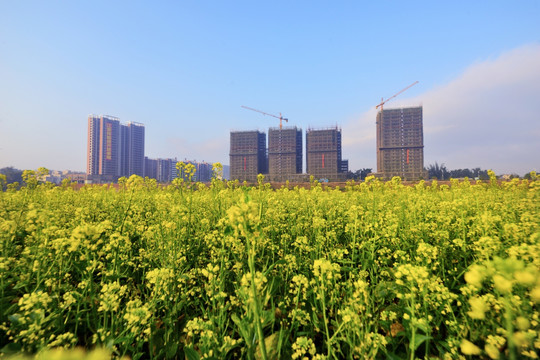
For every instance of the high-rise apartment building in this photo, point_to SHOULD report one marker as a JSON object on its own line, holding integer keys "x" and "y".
{"x": 400, "y": 143}
{"x": 284, "y": 153}
{"x": 114, "y": 149}
{"x": 124, "y": 151}
{"x": 323, "y": 153}
{"x": 135, "y": 148}
{"x": 92, "y": 160}
{"x": 247, "y": 155}
{"x": 104, "y": 141}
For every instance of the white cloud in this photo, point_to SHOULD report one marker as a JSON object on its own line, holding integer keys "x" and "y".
{"x": 488, "y": 117}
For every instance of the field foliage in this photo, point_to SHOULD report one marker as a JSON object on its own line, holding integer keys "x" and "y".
{"x": 371, "y": 270}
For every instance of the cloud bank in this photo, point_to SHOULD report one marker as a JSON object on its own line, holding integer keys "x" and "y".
{"x": 487, "y": 117}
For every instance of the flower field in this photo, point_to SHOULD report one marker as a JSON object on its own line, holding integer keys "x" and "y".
{"x": 191, "y": 271}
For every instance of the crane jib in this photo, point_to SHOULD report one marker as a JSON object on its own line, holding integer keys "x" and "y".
{"x": 281, "y": 118}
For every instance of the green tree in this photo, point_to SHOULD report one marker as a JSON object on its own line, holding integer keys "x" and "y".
{"x": 360, "y": 174}
{"x": 439, "y": 172}
{"x": 3, "y": 181}
{"x": 30, "y": 178}
{"x": 12, "y": 175}
{"x": 530, "y": 175}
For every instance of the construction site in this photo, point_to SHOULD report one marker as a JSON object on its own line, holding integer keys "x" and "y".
{"x": 283, "y": 160}
{"x": 400, "y": 149}
{"x": 284, "y": 153}
{"x": 247, "y": 155}
{"x": 323, "y": 154}
{"x": 400, "y": 143}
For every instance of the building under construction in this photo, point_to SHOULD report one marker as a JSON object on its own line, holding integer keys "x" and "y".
{"x": 400, "y": 143}
{"x": 284, "y": 153}
{"x": 247, "y": 155}
{"x": 323, "y": 154}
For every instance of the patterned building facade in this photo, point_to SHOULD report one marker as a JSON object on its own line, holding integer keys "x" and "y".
{"x": 400, "y": 143}
{"x": 247, "y": 155}
{"x": 114, "y": 149}
{"x": 323, "y": 154}
{"x": 284, "y": 153}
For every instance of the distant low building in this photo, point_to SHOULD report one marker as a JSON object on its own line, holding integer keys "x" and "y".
{"x": 100, "y": 179}
{"x": 163, "y": 170}
{"x": 166, "y": 170}
{"x": 226, "y": 172}
{"x": 344, "y": 166}
{"x": 150, "y": 168}
{"x": 78, "y": 178}
{"x": 204, "y": 171}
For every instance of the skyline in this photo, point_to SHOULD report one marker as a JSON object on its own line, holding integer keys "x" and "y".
{"x": 185, "y": 70}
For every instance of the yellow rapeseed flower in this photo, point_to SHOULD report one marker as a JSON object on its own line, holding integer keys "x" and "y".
{"x": 525, "y": 278}
{"x": 535, "y": 294}
{"x": 468, "y": 348}
{"x": 475, "y": 276}
{"x": 492, "y": 351}
{"x": 522, "y": 323}
{"x": 478, "y": 308}
{"x": 502, "y": 284}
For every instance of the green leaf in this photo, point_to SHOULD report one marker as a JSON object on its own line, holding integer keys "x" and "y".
{"x": 279, "y": 262}
{"x": 19, "y": 285}
{"x": 11, "y": 349}
{"x": 236, "y": 319}
{"x": 244, "y": 331}
{"x": 423, "y": 327}
{"x": 419, "y": 339}
{"x": 14, "y": 318}
{"x": 383, "y": 290}
{"x": 172, "y": 349}
{"x": 191, "y": 354}
{"x": 393, "y": 356}
{"x": 124, "y": 339}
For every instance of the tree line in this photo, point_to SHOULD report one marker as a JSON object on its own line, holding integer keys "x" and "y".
{"x": 434, "y": 171}
{"x": 440, "y": 172}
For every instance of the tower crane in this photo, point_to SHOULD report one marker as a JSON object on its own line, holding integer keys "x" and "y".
{"x": 379, "y": 133}
{"x": 393, "y": 96}
{"x": 281, "y": 118}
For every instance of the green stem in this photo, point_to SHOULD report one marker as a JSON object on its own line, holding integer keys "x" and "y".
{"x": 328, "y": 339}
{"x": 413, "y": 329}
{"x": 251, "y": 263}
{"x": 509, "y": 328}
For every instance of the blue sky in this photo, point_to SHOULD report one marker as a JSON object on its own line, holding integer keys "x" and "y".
{"x": 185, "y": 68}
